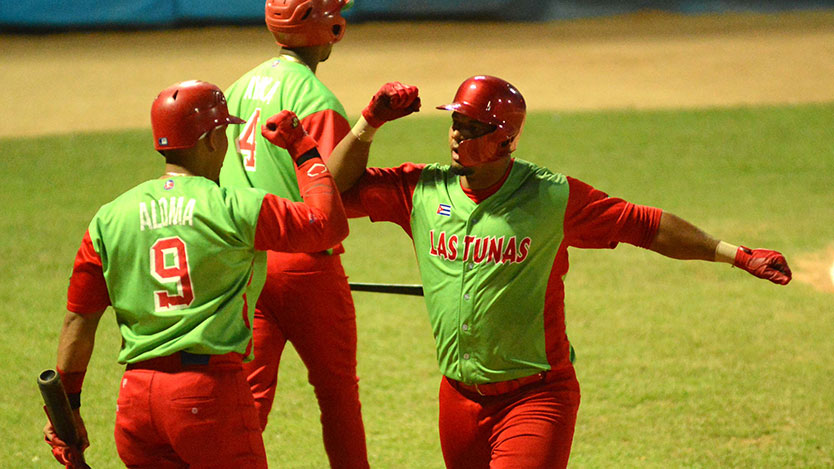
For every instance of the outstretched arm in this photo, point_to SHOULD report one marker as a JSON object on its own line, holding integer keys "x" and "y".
{"x": 679, "y": 239}
{"x": 350, "y": 157}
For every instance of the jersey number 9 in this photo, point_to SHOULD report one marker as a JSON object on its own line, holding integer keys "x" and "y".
{"x": 169, "y": 264}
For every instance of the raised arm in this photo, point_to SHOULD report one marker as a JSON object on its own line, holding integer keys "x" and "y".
{"x": 350, "y": 157}
{"x": 679, "y": 239}
{"x": 319, "y": 222}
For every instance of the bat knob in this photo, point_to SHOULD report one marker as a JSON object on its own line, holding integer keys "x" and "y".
{"x": 47, "y": 376}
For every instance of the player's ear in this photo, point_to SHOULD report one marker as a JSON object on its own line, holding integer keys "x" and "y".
{"x": 215, "y": 138}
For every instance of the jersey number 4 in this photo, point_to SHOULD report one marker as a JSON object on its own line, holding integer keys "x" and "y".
{"x": 246, "y": 142}
{"x": 169, "y": 264}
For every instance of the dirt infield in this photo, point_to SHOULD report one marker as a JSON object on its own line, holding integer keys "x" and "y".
{"x": 102, "y": 81}
{"x": 817, "y": 269}
{"x": 99, "y": 81}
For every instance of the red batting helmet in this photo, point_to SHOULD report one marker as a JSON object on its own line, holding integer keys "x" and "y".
{"x": 183, "y": 112}
{"x": 493, "y": 101}
{"x": 302, "y": 23}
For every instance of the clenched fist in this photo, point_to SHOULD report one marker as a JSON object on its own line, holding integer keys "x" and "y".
{"x": 764, "y": 263}
{"x": 284, "y": 130}
{"x": 392, "y": 101}
{"x": 70, "y": 456}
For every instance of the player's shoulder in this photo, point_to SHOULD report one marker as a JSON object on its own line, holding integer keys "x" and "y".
{"x": 243, "y": 193}
{"x": 263, "y": 77}
{"x": 539, "y": 173}
{"x": 123, "y": 205}
{"x": 408, "y": 171}
{"x": 310, "y": 95}
{"x": 243, "y": 82}
{"x": 307, "y": 93}
{"x": 435, "y": 168}
{"x": 434, "y": 171}
{"x": 232, "y": 203}
{"x": 435, "y": 176}
{"x": 239, "y": 200}
{"x": 134, "y": 193}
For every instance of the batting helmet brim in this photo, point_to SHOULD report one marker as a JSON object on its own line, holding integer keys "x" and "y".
{"x": 449, "y": 107}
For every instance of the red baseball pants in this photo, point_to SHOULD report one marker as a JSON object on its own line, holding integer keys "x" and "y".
{"x": 529, "y": 428}
{"x": 202, "y": 417}
{"x": 306, "y": 300}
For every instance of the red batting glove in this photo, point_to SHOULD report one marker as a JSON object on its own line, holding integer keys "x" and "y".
{"x": 70, "y": 456}
{"x": 284, "y": 130}
{"x": 764, "y": 263}
{"x": 392, "y": 101}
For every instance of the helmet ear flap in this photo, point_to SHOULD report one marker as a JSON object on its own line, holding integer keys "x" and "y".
{"x": 513, "y": 141}
{"x": 504, "y": 142}
{"x": 485, "y": 149}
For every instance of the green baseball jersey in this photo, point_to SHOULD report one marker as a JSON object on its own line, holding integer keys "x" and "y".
{"x": 275, "y": 85}
{"x": 493, "y": 271}
{"x": 180, "y": 266}
{"x": 477, "y": 260}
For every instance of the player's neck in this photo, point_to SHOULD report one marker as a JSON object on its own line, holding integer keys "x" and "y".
{"x": 308, "y": 56}
{"x": 176, "y": 170}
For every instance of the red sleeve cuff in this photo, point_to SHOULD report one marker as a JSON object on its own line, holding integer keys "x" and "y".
{"x": 72, "y": 381}
{"x": 641, "y": 226}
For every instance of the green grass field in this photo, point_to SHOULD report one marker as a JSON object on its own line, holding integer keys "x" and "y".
{"x": 682, "y": 364}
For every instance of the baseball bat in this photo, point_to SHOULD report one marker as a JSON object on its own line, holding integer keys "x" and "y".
{"x": 58, "y": 408}
{"x": 397, "y": 289}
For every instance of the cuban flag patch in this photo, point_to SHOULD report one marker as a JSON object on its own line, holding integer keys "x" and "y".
{"x": 169, "y": 184}
{"x": 444, "y": 210}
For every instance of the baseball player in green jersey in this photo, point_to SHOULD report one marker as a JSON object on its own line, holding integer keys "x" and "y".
{"x": 181, "y": 261}
{"x": 491, "y": 234}
{"x": 321, "y": 327}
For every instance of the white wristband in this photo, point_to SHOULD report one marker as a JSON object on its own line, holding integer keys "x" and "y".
{"x": 725, "y": 252}
{"x": 363, "y": 131}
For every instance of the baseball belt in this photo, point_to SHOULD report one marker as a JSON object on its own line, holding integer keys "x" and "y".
{"x": 182, "y": 361}
{"x": 500, "y": 387}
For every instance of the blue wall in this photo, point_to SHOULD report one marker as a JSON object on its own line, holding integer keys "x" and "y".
{"x": 52, "y": 14}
